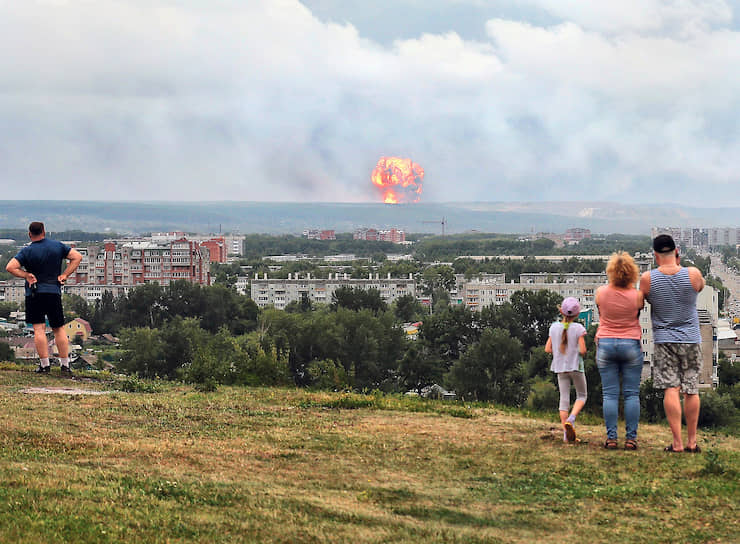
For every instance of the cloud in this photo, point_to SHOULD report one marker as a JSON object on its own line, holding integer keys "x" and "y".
{"x": 263, "y": 100}
{"x": 675, "y": 16}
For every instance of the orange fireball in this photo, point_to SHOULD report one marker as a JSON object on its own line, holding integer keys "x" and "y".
{"x": 399, "y": 180}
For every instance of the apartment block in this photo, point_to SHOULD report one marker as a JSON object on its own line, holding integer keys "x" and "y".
{"x": 700, "y": 237}
{"x": 217, "y": 249}
{"x": 316, "y": 234}
{"x": 366, "y": 234}
{"x": 281, "y": 292}
{"x": 576, "y": 234}
{"x": 394, "y": 235}
{"x": 480, "y": 292}
{"x": 12, "y": 290}
{"x": 91, "y": 293}
{"x": 235, "y": 244}
{"x": 133, "y": 262}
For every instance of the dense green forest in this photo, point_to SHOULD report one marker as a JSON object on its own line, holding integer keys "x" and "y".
{"x": 262, "y": 245}
{"x": 447, "y": 248}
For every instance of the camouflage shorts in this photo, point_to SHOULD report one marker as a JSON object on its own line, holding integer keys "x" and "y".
{"x": 677, "y": 365}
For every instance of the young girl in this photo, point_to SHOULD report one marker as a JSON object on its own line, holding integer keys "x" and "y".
{"x": 567, "y": 345}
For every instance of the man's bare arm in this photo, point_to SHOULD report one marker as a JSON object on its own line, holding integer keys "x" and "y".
{"x": 645, "y": 284}
{"x": 697, "y": 280}
{"x": 74, "y": 257}
{"x": 15, "y": 268}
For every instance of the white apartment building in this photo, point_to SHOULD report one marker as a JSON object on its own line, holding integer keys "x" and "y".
{"x": 235, "y": 244}
{"x": 467, "y": 291}
{"x": 242, "y": 285}
{"x": 91, "y": 293}
{"x": 478, "y": 293}
{"x": 700, "y": 237}
{"x": 281, "y": 292}
{"x": 12, "y": 290}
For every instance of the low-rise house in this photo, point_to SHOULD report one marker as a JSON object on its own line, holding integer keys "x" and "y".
{"x": 25, "y": 347}
{"x": 78, "y": 327}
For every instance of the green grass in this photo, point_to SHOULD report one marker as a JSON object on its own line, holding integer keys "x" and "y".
{"x": 166, "y": 463}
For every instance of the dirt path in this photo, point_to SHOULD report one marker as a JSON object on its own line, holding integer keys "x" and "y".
{"x": 61, "y": 391}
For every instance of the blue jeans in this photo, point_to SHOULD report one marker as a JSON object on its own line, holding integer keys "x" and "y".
{"x": 616, "y": 356}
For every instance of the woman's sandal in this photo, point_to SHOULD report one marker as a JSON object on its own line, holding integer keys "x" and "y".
{"x": 670, "y": 449}
{"x": 695, "y": 449}
{"x": 570, "y": 431}
{"x": 610, "y": 444}
{"x": 630, "y": 444}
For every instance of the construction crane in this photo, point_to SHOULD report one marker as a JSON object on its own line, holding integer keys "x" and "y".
{"x": 443, "y": 223}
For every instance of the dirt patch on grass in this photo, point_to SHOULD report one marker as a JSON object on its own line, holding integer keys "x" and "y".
{"x": 61, "y": 391}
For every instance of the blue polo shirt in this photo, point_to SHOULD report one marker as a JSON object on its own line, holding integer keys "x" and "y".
{"x": 43, "y": 258}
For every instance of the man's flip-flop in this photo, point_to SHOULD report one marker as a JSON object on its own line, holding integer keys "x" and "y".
{"x": 570, "y": 432}
{"x": 671, "y": 450}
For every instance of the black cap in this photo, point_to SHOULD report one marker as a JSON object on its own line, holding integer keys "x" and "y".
{"x": 663, "y": 243}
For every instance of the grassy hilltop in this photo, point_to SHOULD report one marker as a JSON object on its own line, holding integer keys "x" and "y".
{"x": 284, "y": 465}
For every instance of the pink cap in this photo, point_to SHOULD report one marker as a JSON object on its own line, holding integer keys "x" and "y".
{"x": 570, "y": 307}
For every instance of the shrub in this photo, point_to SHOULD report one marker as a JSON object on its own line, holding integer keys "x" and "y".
{"x": 731, "y": 391}
{"x": 208, "y": 386}
{"x": 132, "y": 384}
{"x": 716, "y": 410}
{"x": 326, "y": 374}
{"x": 205, "y": 367}
{"x": 267, "y": 368}
{"x": 352, "y": 402}
{"x": 651, "y": 402}
{"x": 543, "y": 395}
{"x": 492, "y": 370}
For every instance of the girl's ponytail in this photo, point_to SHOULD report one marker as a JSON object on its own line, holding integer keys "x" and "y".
{"x": 564, "y": 337}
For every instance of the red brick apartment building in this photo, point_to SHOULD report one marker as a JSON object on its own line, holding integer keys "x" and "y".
{"x": 217, "y": 249}
{"x": 391, "y": 235}
{"x": 133, "y": 262}
{"x": 315, "y": 234}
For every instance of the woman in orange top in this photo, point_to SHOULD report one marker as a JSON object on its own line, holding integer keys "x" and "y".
{"x": 619, "y": 351}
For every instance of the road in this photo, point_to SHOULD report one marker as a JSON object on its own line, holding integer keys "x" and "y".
{"x": 731, "y": 280}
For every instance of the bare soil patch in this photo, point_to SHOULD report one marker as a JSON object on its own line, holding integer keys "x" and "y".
{"x": 61, "y": 391}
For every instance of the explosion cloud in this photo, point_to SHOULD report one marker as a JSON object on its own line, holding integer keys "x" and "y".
{"x": 398, "y": 180}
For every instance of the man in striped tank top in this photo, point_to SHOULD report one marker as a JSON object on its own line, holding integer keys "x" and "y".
{"x": 671, "y": 290}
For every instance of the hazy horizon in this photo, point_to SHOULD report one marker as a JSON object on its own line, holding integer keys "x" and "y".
{"x": 294, "y": 217}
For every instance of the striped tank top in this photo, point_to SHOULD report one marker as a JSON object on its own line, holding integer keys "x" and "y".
{"x": 673, "y": 308}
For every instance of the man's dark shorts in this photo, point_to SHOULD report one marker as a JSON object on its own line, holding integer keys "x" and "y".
{"x": 43, "y": 305}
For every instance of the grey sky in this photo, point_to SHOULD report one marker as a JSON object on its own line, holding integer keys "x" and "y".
{"x": 283, "y": 100}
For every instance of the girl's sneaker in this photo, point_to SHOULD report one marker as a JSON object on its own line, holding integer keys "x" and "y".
{"x": 570, "y": 431}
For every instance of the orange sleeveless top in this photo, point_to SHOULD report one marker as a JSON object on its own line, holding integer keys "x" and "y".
{"x": 618, "y": 314}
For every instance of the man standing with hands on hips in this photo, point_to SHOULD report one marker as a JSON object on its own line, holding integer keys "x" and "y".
{"x": 671, "y": 290}
{"x": 40, "y": 264}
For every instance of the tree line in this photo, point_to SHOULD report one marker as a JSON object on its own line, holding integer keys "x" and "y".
{"x": 201, "y": 334}
{"x": 450, "y": 247}
{"x": 212, "y": 335}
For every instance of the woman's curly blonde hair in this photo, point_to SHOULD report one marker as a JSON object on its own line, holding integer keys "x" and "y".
{"x": 622, "y": 270}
